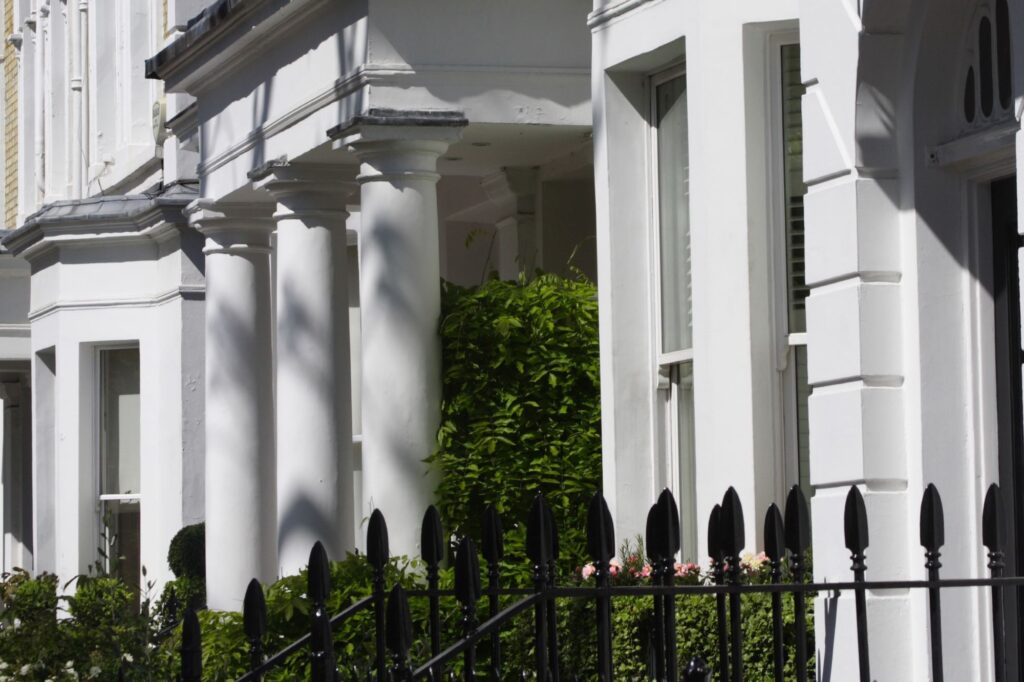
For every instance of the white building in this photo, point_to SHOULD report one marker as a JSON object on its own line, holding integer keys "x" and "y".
{"x": 806, "y": 243}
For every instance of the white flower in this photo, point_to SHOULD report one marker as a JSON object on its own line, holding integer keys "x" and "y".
{"x": 69, "y": 664}
{"x": 4, "y": 665}
{"x": 25, "y": 669}
{"x": 127, "y": 657}
{"x": 94, "y": 672}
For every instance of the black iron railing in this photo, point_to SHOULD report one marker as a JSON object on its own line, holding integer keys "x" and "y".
{"x": 786, "y": 537}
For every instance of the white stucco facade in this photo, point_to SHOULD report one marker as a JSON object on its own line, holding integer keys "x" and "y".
{"x": 901, "y": 348}
{"x": 789, "y": 209}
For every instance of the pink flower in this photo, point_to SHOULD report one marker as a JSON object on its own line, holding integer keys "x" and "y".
{"x": 588, "y": 571}
{"x": 684, "y": 570}
{"x": 614, "y": 567}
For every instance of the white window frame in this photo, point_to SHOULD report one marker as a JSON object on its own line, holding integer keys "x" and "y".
{"x": 669, "y": 471}
{"x": 786, "y": 342}
{"x": 101, "y": 497}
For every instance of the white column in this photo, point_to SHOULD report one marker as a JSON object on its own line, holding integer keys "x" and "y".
{"x": 514, "y": 190}
{"x": 241, "y": 542}
{"x": 314, "y": 385}
{"x": 399, "y": 287}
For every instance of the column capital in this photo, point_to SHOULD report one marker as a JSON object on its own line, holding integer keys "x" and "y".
{"x": 393, "y": 145}
{"x": 232, "y": 227}
{"x": 307, "y": 189}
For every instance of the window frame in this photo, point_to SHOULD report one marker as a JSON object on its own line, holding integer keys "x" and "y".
{"x": 103, "y": 499}
{"x": 786, "y": 342}
{"x": 672, "y": 71}
{"x": 668, "y": 369}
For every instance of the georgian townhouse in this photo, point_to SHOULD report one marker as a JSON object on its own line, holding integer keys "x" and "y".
{"x": 228, "y": 222}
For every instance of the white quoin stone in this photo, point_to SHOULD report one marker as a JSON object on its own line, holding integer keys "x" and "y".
{"x": 314, "y": 410}
{"x": 400, "y": 295}
{"x": 240, "y": 469}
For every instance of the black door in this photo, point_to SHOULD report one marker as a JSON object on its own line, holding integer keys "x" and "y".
{"x": 1009, "y": 357}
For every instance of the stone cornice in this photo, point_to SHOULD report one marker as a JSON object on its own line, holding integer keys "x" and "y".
{"x": 601, "y": 17}
{"x": 399, "y": 118}
{"x": 106, "y": 219}
{"x": 221, "y": 37}
{"x": 212, "y": 22}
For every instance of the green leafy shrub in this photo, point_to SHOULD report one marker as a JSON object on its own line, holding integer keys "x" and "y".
{"x": 521, "y": 408}
{"x": 187, "y": 553}
{"x": 101, "y": 634}
{"x": 225, "y": 647}
{"x": 187, "y": 558}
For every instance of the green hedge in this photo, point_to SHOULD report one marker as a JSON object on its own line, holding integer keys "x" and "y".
{"x": 521, "y": 409}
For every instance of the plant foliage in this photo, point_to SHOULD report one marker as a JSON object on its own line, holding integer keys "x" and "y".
{"x": 187, "y": 553}
{"x": 98, "y": 632}
{"x": 521, "y": 408}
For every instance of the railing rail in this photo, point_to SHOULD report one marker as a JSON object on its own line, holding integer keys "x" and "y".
{"x": 786, "y": 535}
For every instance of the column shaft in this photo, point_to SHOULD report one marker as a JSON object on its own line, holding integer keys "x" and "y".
{"x": 314, "y": 409}
{"x": 240, "y": 468}
{"x": 401, "y": 306}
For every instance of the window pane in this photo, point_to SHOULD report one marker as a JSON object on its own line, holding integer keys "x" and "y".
{"x": 121, "y": 526}
{"x": 792, "y": 124}
{"x": 674, "y": 214}
{"x": 119, "y": 370}
{"x": 687, "y": 461}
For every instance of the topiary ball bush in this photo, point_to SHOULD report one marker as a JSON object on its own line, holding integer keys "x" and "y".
{"x": 187, "y": 553}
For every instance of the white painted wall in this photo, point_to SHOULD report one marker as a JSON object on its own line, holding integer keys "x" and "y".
{"x": 83, "y": 302}
{"x": 723, "y": 45}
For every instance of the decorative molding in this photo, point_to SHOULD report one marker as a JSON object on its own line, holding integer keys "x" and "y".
{"x": 340, "y": 89}
{"x": 598, "y": 18}
{"x": 184, "y": 58}
{"x": 102, "y": 220}
{"x": 399, "y": 117}
{"x": 994, "y": 145}
{"x": 184, "y": 292}
{"x": 396, "y": 75}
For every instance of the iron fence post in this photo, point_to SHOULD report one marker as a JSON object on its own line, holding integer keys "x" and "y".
{"x": 378, "y": 553}
{"x": 321, "y": 644}
{"x": 718, "y": 576}
{"x": 856, "y": 533}
{"x": 432, "y": 551}
{"x": 933, "y": 536}
{"x": 601, "y": 547}
{"x": 798, "y": 540}
{"x": 399, "y": 633}
{"x": 993, "y": 536}
{"x": 774, "y": 535}
{"x": 254, "y": 619}
{"x": 733, "y": 540}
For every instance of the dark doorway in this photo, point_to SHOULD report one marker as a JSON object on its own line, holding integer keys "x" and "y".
{"x": 1006, "y": 243}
